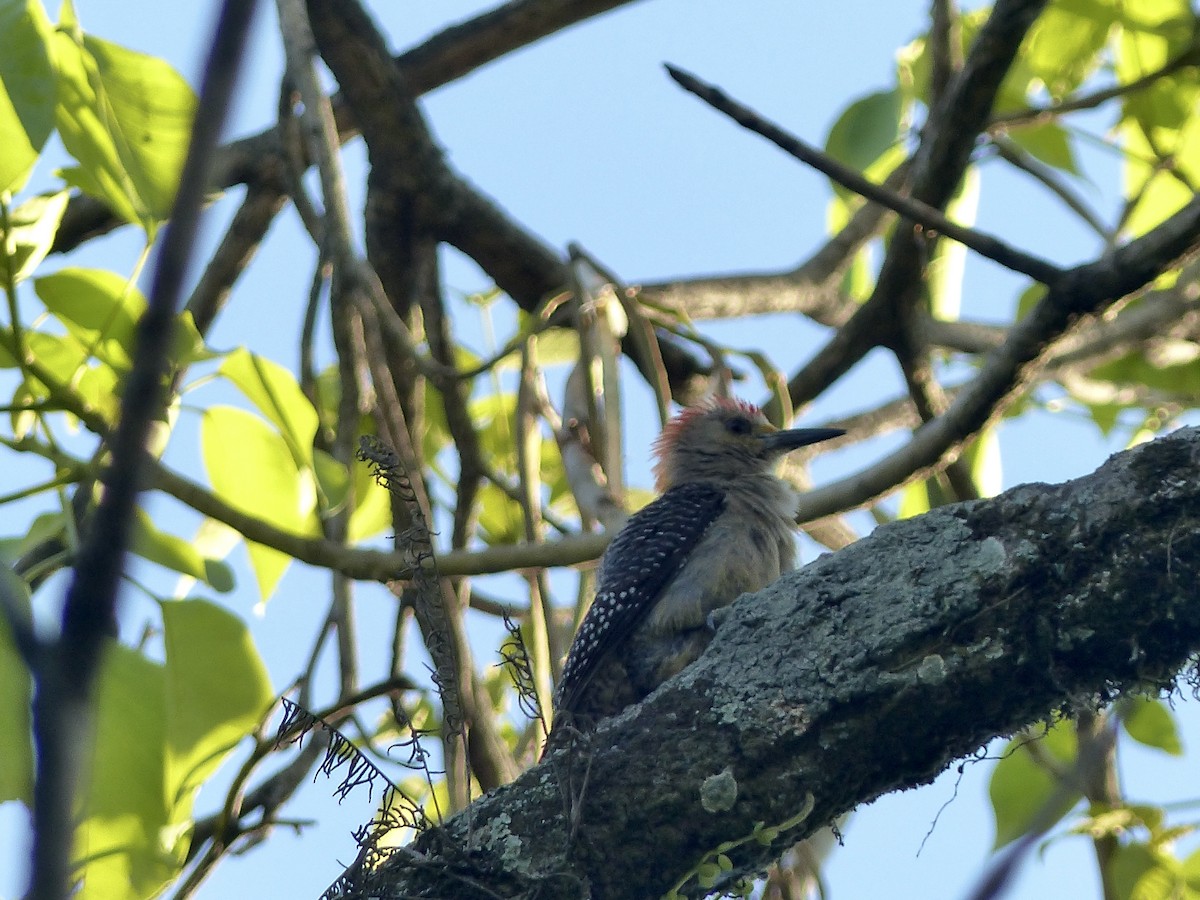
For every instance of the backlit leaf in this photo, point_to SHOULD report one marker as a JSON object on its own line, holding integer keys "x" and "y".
{"x": 26, "y": 89}
{"x": 32, "y": 227}
{"x": 126, "y": 117}
{"x": 1023, "y": 791}
{"x": 252, "y": 468}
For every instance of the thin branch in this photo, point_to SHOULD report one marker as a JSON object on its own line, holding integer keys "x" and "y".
{"x": 65, "y": 678}
{"x": 892, "y": 316}
{"x": 1037, "y": 115}
{"x": 238, "y": 246}
{"x": 1088, "y": 289}
{"x": 812, "y": 288}
{"x": 1012, "y": 153}
{"x": 921, "y": 213}
{"x": 377, "y": 565}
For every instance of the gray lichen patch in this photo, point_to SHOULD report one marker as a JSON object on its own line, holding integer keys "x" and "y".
{"x": 510, "y": 848}
{"x": 718, "y": 792}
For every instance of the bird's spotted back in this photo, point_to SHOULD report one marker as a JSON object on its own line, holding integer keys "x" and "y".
{"x": 640, "y": 562}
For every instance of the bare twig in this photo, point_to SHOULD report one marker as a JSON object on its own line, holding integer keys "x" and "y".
{"x": 921, "y": 213}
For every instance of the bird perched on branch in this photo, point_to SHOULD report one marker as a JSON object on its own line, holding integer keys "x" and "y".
{"x": 723, "y": 525}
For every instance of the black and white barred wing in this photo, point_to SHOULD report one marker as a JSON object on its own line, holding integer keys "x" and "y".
{"x": 637, "y": 566}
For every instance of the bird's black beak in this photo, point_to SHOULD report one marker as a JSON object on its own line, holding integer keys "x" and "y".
{"x": 795, "y": 438}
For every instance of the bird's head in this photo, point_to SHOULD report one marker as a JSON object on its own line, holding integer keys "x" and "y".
{"x": 722, "y": 439}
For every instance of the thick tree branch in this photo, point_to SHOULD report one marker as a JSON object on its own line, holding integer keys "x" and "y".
{"x": 871, "y": 671}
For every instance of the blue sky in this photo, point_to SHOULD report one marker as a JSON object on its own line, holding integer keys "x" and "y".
{"x": 584, "y": 138}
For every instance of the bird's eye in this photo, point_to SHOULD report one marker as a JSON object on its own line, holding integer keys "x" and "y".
{"x": 738, "y": 425}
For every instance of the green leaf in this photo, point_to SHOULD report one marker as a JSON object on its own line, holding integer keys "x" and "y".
{"x": 32, "y": 227}
{"x": 178, "y": 555}
{"x": 1191, "y": 871}
{"x": 1159, "y": 193}
{"x": 866, "y": 129}
{"x": 493, "y": 415}
{"x": 332, "y": 480}
{"x": 16, "y": 692}
{"x": 1175, "y": 370}
{"x": 26, "y": 89}
{"x": 275, "y": 393}
{"x": 1030, "y": 298}
{"x": 1065, "y": 44}
{"x": 1021, "y": 788}
{"x": 983, "y": 459}
{"x": 499, "y": 516}
{"x": 123, "y": 850}
{"x": 252, "y": 468}
{"x": 66, "y": 359}
{"x": 100, "y": 309}
{"x": 1128, "y": 864}
{"x": 1159, "y": 127}
{"x": 217, "y": 690}
{"x": 126, "y": 117}
{"x": 1049, "y": 143}
{"x": 161, "y": 731}
{"x": 914, "y": 500}
{"x": 1149, "y": 722}
{"x": 707, "y": 874}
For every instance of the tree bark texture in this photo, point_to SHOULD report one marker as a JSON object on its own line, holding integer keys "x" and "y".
{"x": 868, "y": 671}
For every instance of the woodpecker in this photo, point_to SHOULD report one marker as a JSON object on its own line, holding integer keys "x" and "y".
{"x": 723, "y": 525}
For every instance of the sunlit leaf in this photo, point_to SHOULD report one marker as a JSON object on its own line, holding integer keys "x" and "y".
{"x": 126, "y": 117}
{"x": 217, "y": 690}
{"x": 1049, "y": 143}
{"x": 499, "y": 516}
{"x": 32, "y": 227}
{"x": 946, "y": 269}
{"x": 252, "y": 468}
{"x": 373, "y": 512}
{"x": 1030, "y": 298}
{"x": 914, "y": 500}
{"x": 1128, "y": 865}
{"x": 177, "y": 554}
{"x": 26, "y": 89}
{"x": 119, "y": 846}
{"x": 1191, "y": 871}
{"x": 275, "y": 393}
{"x": 99, "y": 308}
{"x": 160, "y": 732}
{"x": 866, "y": 129}
{"x": 983, "y": 460}
{"x": 1064, "y": 45}
{"x": 1160, "y": 127}
{"x": 1173, "y": 375}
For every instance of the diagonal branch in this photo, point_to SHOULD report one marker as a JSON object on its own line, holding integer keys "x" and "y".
{"x": 1086, "y": 290}
{"x": 918, "y": 212}
{"x": 890, "y": 317}
{"x": 872, "y": 670}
